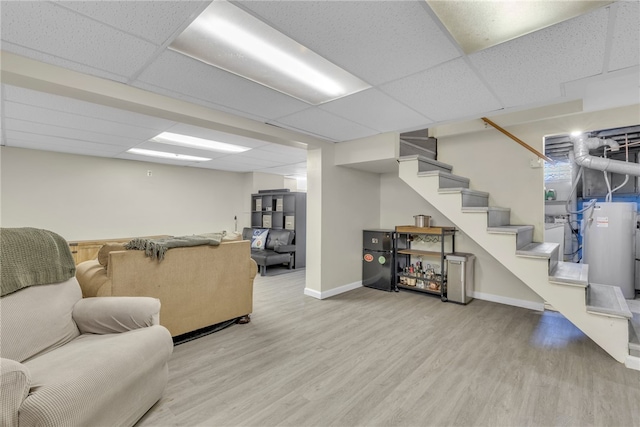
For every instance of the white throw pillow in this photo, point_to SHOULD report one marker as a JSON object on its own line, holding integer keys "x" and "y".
{"x": 259, "y": 238}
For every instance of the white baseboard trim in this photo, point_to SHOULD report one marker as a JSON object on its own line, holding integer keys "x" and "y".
{"x": 332, "y": 292}
{"x": 632, "y": 362}
{"x": 538, "y": 306}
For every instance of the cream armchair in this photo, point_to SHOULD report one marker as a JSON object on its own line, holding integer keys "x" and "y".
{"x": 78, "y": 362}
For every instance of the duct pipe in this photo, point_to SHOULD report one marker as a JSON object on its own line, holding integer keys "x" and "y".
{"x": 581, "y": 147}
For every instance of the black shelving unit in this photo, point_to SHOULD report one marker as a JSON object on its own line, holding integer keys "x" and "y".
{"x": 413, "y": 269}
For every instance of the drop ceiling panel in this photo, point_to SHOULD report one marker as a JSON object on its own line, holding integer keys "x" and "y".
{"x": 299, "y": 169}
{"x": 173, "y": 73}
{"x": 376, "y": 110}
{"x": 625, "y": 46}
{"x": 73, "y": 121}
{"x": 445, "y": 92}
{"x": 259, "y": 155}
{"x": 531, "y": 68}
{"x": 377, "y": 41}
{"x": 49, "y": 143}
{"x": 69, "y": 134}
{"x": 70, "y": 39}
{"x": 82, "y": 109}
{"x": 154, "y": 21}
{"x": 293, "y": 155}
{"x": 326, "y": 125}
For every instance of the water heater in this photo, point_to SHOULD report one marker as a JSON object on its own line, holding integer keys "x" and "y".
{"x": 609, "y": 245}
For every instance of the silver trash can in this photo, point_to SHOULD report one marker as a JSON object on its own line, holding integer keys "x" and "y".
{"x": 460, "y": 277}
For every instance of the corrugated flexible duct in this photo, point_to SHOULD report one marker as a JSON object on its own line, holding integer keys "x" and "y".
{"x": 581, "y": 147}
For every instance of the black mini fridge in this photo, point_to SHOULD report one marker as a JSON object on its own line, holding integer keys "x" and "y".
{"x": 377, "y": 260}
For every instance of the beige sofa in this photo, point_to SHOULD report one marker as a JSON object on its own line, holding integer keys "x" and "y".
{"x": 197, "y": 286}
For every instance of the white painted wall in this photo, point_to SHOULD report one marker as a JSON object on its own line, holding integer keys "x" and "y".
{"x": 341, "y": 202}
{"x": 398, "y": 204}
{"x": 82, "y": 197}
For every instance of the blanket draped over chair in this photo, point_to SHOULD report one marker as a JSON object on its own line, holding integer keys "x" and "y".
{"x": 156, "y": 248}
{"x": 32, "y": 256}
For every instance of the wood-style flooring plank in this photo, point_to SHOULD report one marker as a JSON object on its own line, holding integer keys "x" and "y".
{"x": 372, "y": 358}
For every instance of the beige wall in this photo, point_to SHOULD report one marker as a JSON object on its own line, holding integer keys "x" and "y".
{"x": 398, "y": 204}
{"x": 82, "y": 197}
{"x": 341, "y": 202}
{"x": 500, "y": 166}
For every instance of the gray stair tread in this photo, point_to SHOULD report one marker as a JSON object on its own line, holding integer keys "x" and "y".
{"x": 538, "y": 250}
{"x": 570, "y": 273}
{"x": 485, "y": 209}
{"x": 426, "y": 160}
{"x": 444, "y": 174}
{"x": 509, "y": 229}
{"x": 605, "y": 299}
{"x": 464, "y": 191}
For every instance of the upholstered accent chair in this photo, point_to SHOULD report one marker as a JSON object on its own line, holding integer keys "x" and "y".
{"x": 69, "y": 361}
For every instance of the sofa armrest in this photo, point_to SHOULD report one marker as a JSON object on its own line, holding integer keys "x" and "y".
{"x": 108, "y": 315}
{"x": 15, "y": 382}
{"x": 283, "y": 249}
{"x": 93, "y": 279}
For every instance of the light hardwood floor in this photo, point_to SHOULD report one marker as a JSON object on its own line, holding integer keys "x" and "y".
{"x": 371, "y": 358}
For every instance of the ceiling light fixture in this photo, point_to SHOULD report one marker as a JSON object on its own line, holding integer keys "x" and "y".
{"x": 164, "y": 155}
{"x": 200, "y": 143}
{"x": 227, "y": 37}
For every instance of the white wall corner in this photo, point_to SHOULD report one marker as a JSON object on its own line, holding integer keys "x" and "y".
{"x": 332, "y": 292}
{"x": 531, "y": 305}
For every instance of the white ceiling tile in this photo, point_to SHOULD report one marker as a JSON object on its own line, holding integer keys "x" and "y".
{"x": 68, "y": 133}
{"x": 74, "y": 121}
{"x": 258, "y": 154}
{"x": 39, "y": 26}
{"x": 299, "y": 169}
{"x": 50, "y": 143}
{"x": 377, "y": 41}
{"x": 376, "y": 110}
{"x": 625, "y": 47}
{"x": 293, "y": 155}
{"x": 180, "y": 74}
{"x": 82, "y": 108}
{"x": 154, "y": 21}
{"x": 326, "y": 125}
{"x": 445, "y": 92}
{"x": 531, "y": 68}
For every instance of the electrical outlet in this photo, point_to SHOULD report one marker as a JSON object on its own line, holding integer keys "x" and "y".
{"x": 149, "y": 173}
{"x": 535, "y": 163}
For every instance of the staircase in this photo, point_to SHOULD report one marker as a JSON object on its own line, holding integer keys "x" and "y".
{"x": 600, "y": 311}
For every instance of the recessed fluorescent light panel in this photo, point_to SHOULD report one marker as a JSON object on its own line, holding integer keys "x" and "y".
{"x": 193, "y": 142}
{"x": 227, "y": 37}
{"x": 164, "y": 155}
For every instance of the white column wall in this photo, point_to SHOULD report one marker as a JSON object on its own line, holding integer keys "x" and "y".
{"x": 341, "y": 202}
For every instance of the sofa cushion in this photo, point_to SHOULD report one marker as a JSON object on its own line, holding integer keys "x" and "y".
{"x": 259, "y": 238}
{"x": 279, "y": 238}
{"x": 103, "y": 253}
{"x": 98, "y": 380}
{"x": 38, "y": 319}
